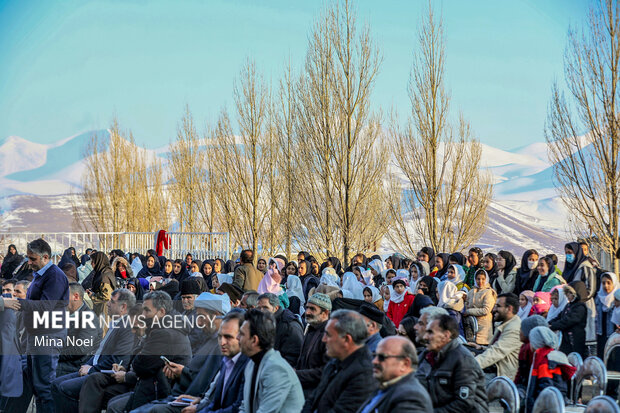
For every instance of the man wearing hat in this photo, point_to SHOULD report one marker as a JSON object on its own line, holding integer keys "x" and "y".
{"x": 313, "y": 357}
{"x": 190, "y": 289}
{"x": 374, "y": 319}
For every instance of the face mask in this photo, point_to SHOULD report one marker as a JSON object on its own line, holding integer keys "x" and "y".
{"x": 570, "y": 258}
{"x": 531, "y": 264}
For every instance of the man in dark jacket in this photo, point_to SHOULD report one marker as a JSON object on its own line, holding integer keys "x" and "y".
{"x": 455, "y": 381}
{"x": 347, "y": 379}
{"x": 374, "y": 319}
{"x": 289, "y": 333}
{"x": 246, "y": 276}
{"x": 313, "y": 355}
{"x": 148, "y": 365}
{"x": 399, "y": 390}
{"x": 72, "y": 356}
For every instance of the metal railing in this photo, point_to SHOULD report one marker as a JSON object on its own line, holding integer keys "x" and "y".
{"x": 202, "y": 245}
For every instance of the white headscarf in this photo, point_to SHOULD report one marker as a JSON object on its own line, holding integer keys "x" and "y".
{"x": 329, "y": 277}
{"x": 459, "y": 274}
{"x": 376, "y": 294}
{"x": 615, "y": 315}
{"x": 448, "y": 294}
{"x": 525, "y": 311}
{"x": 366, "y": 276}
{"x": 386, "y": 303}
{"x": 350, "y": 283}
{"x": 396, "y": 297}
{"x": 607, "y": 300}
{"x": 377, "y": 265}
{"x": 294, "y": 288}
{"x": 562, "y": 301}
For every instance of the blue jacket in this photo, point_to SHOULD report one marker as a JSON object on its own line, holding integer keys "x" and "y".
{"x": 233, "y": 397}
{"x": 11, "y": 384}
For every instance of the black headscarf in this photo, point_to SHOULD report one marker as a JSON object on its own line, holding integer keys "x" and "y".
{"x": 524, "y": 273}
{"x": 66, "y": 259}
{"x": 139, "y": 290}
{"x": 335, "y": 262}
{"x": 74, "y": 257}
{"x": 84, "y": 259}
{"x": 430, "y": 252}
{"x": 492, "y": 273}
{"x": 458, "y": 257}
{"x": 445, "y": 258}
{"x": 511, "y": 262}
{"x": 396, "y": 262}
{"x": 151, "y": 272}
{"x": 11, "y": 262}
{"x": 570, "y": 269}
{"x": 183, "y": 274}
{"x": 230, "y": 266}
{"x": 222, "y": 265}
{"x": 168, "y": 274}
{"x": 431, "y": 284}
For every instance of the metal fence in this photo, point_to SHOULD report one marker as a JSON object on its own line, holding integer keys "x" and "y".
{"x": 201, "y": 245}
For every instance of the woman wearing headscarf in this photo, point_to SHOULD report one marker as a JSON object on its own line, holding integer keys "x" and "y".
{"x": 376, "y": 268}
{"x": 427, "y": 254}
{"x": 350, "y": 283}
{"x": 179, "y": 270}
{"x": 330, "y": 278}
{"x": 526, "y": 299}
{"x": 474, "y": 258}
{"x": 295, "y": 294}
{"x": 480, "y": 302}
{"x": 579, "y": 268}
{"x": 133, "y": 285}
{"x": 11, "y": 260}
{"x": 400, "y": 300}
{"x": 451, "y": 299}
{"x": 168, "y": 268}
{"x": 572, "y": 321}
{"x": 394, "y": 262}
{"x": 261, "y": 265}
{"x": 152, "y": 268}
{"x": 441, "y": 265}
{"x": 417, "y": 271}
{"x": 104, "y": 282}
{"x": 218, "y": 265}
{"x": 604, "y": 310}
{"x": 541, "y": 303}
{"x": 456, "y": 275}
{"x": 372, "y": 295}
{"x": 75, "y": 258}
{"x": 506, "y": 273}
{"x": 490, "y": 266}
{"x": 457, "y": 258}
{"x": 525, "y": 278}
{"x": 428, "y": 287}
{"x": 547, "y": 277}
{"x": 550, "y": 368}
{"x": 67, "y": 265}
{"x": 558, "y": 302}
{"x": 308, "y": 280}
{"x": 194, "y": 268}
{"x": 121, "y": 268}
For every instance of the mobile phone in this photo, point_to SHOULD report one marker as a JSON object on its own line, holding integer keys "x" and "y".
{"x": 165, "y": 359}
{"x": 185, "y": 399}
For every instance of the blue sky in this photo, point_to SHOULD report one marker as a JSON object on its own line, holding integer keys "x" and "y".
{"x": 70, "y": 66}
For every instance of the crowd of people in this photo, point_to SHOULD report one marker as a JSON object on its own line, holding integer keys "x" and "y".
{"x": 397, "y": 334}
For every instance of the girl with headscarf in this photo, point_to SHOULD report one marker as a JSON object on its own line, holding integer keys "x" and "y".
{"x": 474, "y": 258}
{"x": 417, "y": 271}
{"x": 152, "y": 268}
{"x": 376, "y": 268}
{"x": 261, "y": 265}
{"x": 490, "y": 266}
{"x": 525, "y": 274}
{"x": 541, "y": 303}
{"x": 103, "y": 283}
{"x": 480, "y": 302}
{"x": 386, "y": 293}
{"x": 218, "y": 265}
{"x": 179, "y": 270}
{"x": 372, "y": 295}
{"x": 558, "y": 302}
{"x": 506, "y": 273}
{"x": 427, "y": 254}
{"x": 194, "y": 268}
{"x": 67, "y": 265}
{"x": 428, "y": 287}
{"x": 295, "y": 294}
{"x": 308, "y": 280}
{"x": 604, "y": 309}
{"x": 330, "y": 278}
{"x": 350, "y": 283}
{"x": 451, "y": 299}
{"x": 133, "y": 285}
{"x": 547, "y": 277}
{"x": 400, "y": 300}
{"x": 441, "y": 265}
{"x": 168, "y": 268}
{"x": 579, "y": 268}
{"x": 457, "y": 258}
{"x": 525, "y": 304}
{"x": 456, "y": 275}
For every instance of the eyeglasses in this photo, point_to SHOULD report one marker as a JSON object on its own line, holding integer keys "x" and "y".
{"x": 382, "y": 357}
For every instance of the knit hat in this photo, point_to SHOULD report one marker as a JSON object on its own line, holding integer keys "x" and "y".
{"x": 190, "y": 286}
{"x": 372, "y": 312}
{"x": 321, "y": 300}
{"x": 532, "y": 321}
{"x": 234, "y": 292}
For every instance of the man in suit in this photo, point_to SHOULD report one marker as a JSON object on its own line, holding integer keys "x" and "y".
{"x": 225, "y": 394}
{"x": 48, "y": 292}
{"x": 347, "y": 379}
{"x": 115, "y": 346}
{"x": 72, "y": 357}
{"x": 271, "y": 384}
{"x": 399, "y": 391}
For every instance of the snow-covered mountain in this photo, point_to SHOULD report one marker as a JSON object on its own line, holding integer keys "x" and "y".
{"x": 526, "y": 211}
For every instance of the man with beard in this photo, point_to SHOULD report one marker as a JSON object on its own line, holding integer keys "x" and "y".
{"x": 501, "y": 357}
{"x": 393, "y": 367}
{"x": 313, "y": 358}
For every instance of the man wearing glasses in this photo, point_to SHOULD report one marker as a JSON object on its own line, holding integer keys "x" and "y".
{"x": 393, "y": 366}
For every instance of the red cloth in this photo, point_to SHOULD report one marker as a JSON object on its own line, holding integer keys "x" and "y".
{"x": 396, "y": 312}
{"x": 162, "y": 242}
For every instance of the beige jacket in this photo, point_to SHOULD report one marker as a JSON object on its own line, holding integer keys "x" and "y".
{"x": 480, "y": 303}
{"x": 504, "y": 352}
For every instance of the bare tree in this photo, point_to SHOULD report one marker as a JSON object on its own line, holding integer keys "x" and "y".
{"x": 191, "y": 174}
{"x": 244, "y": 166}
{"x": 122, "y": 188}
{"x": 446, "y": 194}
{"x": 582, "y": 129}
{"x": 341, "y": 140}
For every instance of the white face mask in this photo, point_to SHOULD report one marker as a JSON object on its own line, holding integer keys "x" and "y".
{"x": 532, "y": 264}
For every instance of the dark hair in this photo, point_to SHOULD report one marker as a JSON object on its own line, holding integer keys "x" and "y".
{"x": 189, "y": 255}
{"x": 247, "y": 256}
{"x": 550, "y": 263}
{"x": 554, "y": 258}
{"x": 152, "y": 252}
{"x": 40, "y": 247}
{"x": 263, "y": 326}
{"x": 160, "y": 299}
{"x": 234, "y": 315}
{"x": 408, "y": 323}
{"x": 11, "y": 281}
{"x": 448, "y": 323}
{"x": 512, "y": 300}
{"x": 477, "y": 251}
{"x": 293, "y": 264}
{"x": 304, "y": 253}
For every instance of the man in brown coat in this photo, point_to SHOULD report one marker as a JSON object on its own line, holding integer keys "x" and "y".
{"x": 246, "y": 276}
